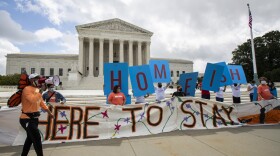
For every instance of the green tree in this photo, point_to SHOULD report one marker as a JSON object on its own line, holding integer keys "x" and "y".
{"x": 9, "y": 79}
{"x": 267, "y": 50}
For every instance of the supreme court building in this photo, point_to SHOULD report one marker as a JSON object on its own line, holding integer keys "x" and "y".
{"x": 112, "y": 41}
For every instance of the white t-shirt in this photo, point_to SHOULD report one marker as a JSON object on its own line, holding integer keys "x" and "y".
{"x": 250, "y": 86}
{"x": 235, "y": 91}
{"x": 160, "y": 93}
{"x": 140, "y": 99}
{"x": 220, "y": 93}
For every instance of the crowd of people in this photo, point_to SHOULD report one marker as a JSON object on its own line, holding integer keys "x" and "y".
{"x": 33, "y": 99}
{"x": 265, "y": 91}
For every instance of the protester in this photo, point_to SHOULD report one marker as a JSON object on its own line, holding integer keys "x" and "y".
{"x": 250, "y": 89}
{"x": 273, "y": 89}
{"x": 53, "y": 96}
{"x": 263, "y": 90}
{"x": 236, "y": 93}
{"x": 220, "y": 94}
{"x": 179, "y": 92}
{"x": 205, "y": 94}
{"x": 116, "y": 97}
{"x": 32, "y": 101}
{"x": 160, "y": 91}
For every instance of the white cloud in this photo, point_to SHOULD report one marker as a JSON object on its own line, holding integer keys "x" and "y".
{"x": 46, "y": 34}
{"x": 202, "y": 31}
{"x": 69, "y": 42}
{"x": 13, "y": 31}
{"x": 5, "y": 48}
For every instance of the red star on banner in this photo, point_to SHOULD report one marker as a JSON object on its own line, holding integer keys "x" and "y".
{"x": 105, "y": 114}
{"x": 62, "y": 128}
{"x": 117, "y": 127}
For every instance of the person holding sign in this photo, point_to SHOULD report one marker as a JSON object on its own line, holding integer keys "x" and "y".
{"x": 160, "y": 91}
{"x": 250, "y": 88}
{"x": 179, "y": 92}
{"x": 117, "y": 97}
{"x": 236, "y": 93}
{"x": 263, "y": 90}
{"x": 220, "y": 94}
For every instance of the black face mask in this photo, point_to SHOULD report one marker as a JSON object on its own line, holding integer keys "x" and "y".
{"x": 235, "y": 84}
{"x": 180, "y": 89}
{"x": 159, "y": 85}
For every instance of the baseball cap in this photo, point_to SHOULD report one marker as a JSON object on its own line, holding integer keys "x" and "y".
{"x": 34, "y": 75}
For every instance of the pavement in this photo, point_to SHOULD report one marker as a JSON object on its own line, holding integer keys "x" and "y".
{"x": 242, "y": 141}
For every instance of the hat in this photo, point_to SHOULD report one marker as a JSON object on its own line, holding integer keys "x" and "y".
{"x": 34, "y": 75}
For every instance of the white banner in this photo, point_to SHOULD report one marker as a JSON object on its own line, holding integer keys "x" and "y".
{"x": 95, "y": 122}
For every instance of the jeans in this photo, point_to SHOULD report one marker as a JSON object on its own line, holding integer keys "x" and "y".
{"x": 205, "y": 96}
{"x": 33, "y": 136}
{"x": 251, "y": 96}
{"x": 220, "y": 99}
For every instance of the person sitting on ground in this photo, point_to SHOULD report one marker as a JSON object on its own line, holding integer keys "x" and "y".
{"x": 263, "y": 90}
{"x": 116, "y": 97}
{"x": 273, "y": 89}
{"x": 236, "y": 93}
{"x": 220, "y": 94}
{"x": 160, "y": 91}
{"x": 250, "y": 88}
{"x": 53, "y": 96}
{"x": 179, "y": 92}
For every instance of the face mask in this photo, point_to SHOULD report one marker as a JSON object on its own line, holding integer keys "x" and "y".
{"x": 235, "y": 85}
{"x": 263, "y": 82}
{"x": 159, "y": 86}
{"x": 51, "y": 89}
{"x": 180, "y": 89}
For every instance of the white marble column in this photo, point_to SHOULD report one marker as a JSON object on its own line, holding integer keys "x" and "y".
{"x": 121, "y": 51}
{"x": 81, "y": 55}
{"x": 101, "y": 62}
{"x": 111, "y": 42}
{"x": 139, "y": 48}
{"x": 130, "y": 59}
{"x": 148, "y": 52}
{"x": 91, "y": 60}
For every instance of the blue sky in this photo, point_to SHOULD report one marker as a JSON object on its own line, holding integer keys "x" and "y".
{"x": 201, "y": 31}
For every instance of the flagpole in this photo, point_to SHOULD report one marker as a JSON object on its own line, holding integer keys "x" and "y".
{"x": 253, "y": 48}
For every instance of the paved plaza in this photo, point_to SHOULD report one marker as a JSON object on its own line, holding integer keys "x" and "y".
{"x": 242, "y": 141}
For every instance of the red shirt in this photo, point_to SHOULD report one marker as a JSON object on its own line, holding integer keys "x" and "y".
{"x": 264, "y": 91}
{"x": 116, "y": 98}
{"x": 205, "y": 92}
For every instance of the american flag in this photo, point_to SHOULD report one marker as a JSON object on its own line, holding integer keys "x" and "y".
{"x": 250, "y": 18}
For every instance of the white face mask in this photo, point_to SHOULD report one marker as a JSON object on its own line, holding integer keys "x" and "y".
{"x": 51, "y": 89}
{"x": 263, "y": 82}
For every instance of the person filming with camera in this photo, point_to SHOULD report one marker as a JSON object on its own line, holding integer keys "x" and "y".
{"x": 32, "y": 101}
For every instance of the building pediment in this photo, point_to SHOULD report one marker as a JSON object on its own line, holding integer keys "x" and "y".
{"x": 114, "y": 25}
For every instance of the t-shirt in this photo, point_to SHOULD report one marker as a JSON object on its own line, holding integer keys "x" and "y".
{"x": 140, "y": 99}
{"x": 32, "y": 101}
{"x": 52, "y": 99}
{"x": 160, "y": 93}
{"x": 235, "y": 90}
{"x": 220, "y": 93}
{"x": 250, "y": 86}
{"x": 116, "y": 98}
{"x": 264, "y": 91}
{"x": 205, "y": 92}
{"x": 178, "y": 93}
